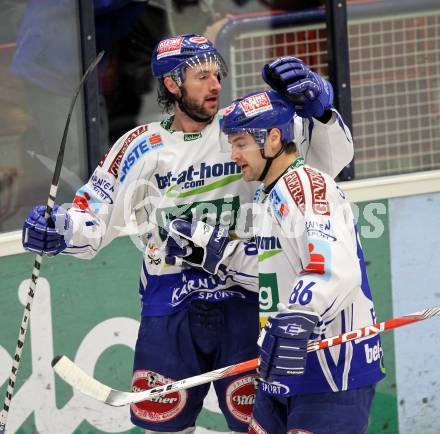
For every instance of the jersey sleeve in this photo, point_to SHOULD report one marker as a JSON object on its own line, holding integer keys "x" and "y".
{"x": 319, "y": 240}
{"x": 328, "y": 147}
{"x": 242, "y": 266}
{"x": 101, "y": 210}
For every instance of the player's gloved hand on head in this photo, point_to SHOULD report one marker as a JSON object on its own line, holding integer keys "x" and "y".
{"x": 198, "y": 244}
{"x": 283, "y": 72}
{"x": 311, "y": 94}
{"x": 316, "y": 94}
{"x": 47, "y": 236}
{"x": 283, "y": 349}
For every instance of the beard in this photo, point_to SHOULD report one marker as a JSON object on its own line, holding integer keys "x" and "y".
{"x": 197, "y": 112}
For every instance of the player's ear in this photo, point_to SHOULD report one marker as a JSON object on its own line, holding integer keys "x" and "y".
{"x": 171, "y": 86}
{"x": 274, "y": 140}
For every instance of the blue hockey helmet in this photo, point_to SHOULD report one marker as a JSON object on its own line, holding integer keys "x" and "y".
{"x": 258, "y": 112}
{"x": 172, "y": 56}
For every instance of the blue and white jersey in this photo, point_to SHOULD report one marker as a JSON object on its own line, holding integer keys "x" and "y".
{"x": 154, "y": 174}
{"x": 310, "y": 256}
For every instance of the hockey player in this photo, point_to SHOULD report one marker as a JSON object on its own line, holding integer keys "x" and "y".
{"x": 194, "y": 319}
{"x": 313, "y": 281}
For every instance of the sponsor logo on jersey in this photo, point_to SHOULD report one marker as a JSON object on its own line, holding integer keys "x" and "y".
{"x": 240, "y": 397}
{"x": 188, "y": 137}
{"x": 204, "y": 288}
{"x": 268, "y": 296}
{"x": 161, "y": 408}
{"x": 296, "y": 190}
{"x": 320, "y": 230}
{"x": 320, "y": 259}
{"x": 102, "y": 187}
{"x": 169, "y": 47}
{"x": 255, "y": 428}
{"x": 142, "y": 147}
{"x": 319, "y": 190}
{"x": 255, "y": 104}
{"x": 267, "y": 247}
{"x": 196, "y": 177}
{"x": 81, "y": 201}
{"x": 267, "y": 243}
{"x": 279, "y": 204}
{"x": 373, "y": 354}
{"x": 114, "y": 166}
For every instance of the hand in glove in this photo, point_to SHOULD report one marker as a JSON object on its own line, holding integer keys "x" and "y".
{"x": 283, "y": 349}
{"x": 198, "y": 244}
{"x": 311, "y": 94}
{"x": 47, "y": 236}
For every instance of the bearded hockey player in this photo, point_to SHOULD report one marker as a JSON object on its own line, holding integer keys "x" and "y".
{"x": 197, "y": 313}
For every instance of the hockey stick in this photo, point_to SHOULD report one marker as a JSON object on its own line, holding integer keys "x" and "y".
{"x": 38, "y": 256}
{"x": 86, "y": 384}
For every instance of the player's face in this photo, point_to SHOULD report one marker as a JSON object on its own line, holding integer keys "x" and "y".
{"x": 201, "y": 90}
{"x": 246, "y": 153}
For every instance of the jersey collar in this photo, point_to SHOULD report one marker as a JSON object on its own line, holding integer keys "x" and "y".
{"x": 297, "y": 163}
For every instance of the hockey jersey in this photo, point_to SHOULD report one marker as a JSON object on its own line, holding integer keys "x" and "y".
{"x": 310, "y": 256}
{"x": 154, "y": 174}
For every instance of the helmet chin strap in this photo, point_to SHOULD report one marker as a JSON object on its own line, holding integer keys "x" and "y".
{"x": 269, "y": 161}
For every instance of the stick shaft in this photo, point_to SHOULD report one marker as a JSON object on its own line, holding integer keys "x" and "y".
{"x": 77, "y": 378}
{"x": 39, "y": 258}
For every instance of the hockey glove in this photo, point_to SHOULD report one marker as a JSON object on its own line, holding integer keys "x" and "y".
{"x": 316, "y": 93}
{"x": 283, "y": 350}
{"x": 283, "y": 72}
{"x": 311, "y": 94}
{"x": 198, "y": 244}
{"x": 47, "y": 236}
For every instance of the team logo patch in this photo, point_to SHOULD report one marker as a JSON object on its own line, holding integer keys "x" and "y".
{"x": 240, "y": 397}
{"x": 169, "y": 47}
{"x": 198, "y": 40}
{"x": 255, "y": 104}
{"x": 158, "y": 409}
{"x": 255, "y": 428}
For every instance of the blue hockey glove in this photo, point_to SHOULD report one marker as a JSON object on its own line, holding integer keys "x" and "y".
{"x": 283, "y": 350}
{"x": 198, "y": 244}
{"x": 316, "y": 94}
{"x": 310, "y": 93}
{"x": 284, "y": 72}
{"x": 47, "y": 236}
